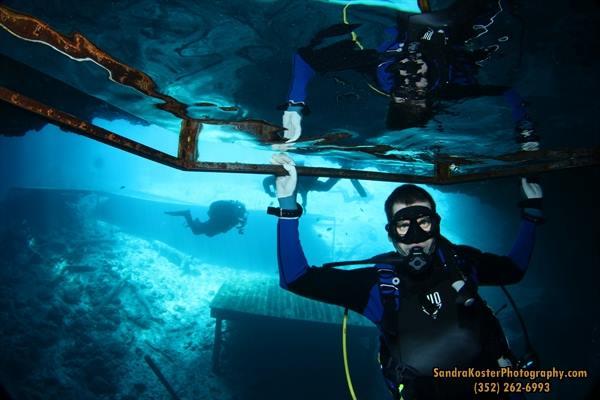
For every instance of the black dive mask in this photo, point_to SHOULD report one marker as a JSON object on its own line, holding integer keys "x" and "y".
{"x": 414, "y": 231}
{"x": 406, "y": 227}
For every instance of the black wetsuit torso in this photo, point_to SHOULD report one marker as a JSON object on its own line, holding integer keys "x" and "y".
{"x": 432, "y": 328}
{"x": 441, "y": 333}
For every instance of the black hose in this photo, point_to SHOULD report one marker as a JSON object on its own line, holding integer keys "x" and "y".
{"x": 520, "y": 318}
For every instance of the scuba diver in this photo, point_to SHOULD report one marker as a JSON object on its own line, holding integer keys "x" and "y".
{"x": 423, "y": 297}
{"x": 223, "y": 215}
{"x": 430, "y": 58}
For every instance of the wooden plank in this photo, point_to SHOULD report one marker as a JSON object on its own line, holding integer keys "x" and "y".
{"x": 263, "y": 298}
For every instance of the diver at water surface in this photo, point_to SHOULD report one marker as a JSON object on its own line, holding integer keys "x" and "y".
{"x": 429, "y": 58}
{"x": 223, "y": 215}
{"x": 423, "y": 296}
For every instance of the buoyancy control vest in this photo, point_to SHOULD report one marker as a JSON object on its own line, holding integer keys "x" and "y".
{"x": 426, "y": 323}
{"x": 438, "y": 318}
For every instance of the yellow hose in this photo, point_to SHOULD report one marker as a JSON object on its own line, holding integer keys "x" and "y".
{"x": 360, "y": 46}
{"x": 354, "y": 35}
{"x": 345, "y": 351}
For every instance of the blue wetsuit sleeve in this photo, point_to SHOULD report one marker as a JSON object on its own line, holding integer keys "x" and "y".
{"x": 352, "y": 289}
{"x": 290, "y": 255}
{"x": 392, "y": 32}
{"x": 385, "y": 79}
{"x": 517, "y": 105}
{"x": 302, "y": 73}
{"x": 522, "y": 249}
{"x": 526, "y": 137}
{"x": 492, "y": 269}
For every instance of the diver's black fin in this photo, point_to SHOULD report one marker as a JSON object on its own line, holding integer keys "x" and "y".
{"x": 331, "y": 31}
{"x": 385, "y": 258}
{"x": 178, "y": 213}
{"x": 336, "y": 30}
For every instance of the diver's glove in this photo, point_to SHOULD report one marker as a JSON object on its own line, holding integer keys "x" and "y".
{"x": 531, "y": 207}
{"x": 526, "y": 136}
{"x": 292, "y": 122}
{"x": 285, "y": 186}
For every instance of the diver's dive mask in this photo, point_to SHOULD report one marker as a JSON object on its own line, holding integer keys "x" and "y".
{"x": 410, "y": 225}
{"x": 414, "y": 224}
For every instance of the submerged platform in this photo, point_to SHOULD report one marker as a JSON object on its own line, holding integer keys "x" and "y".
{"x": 264, "y": 300}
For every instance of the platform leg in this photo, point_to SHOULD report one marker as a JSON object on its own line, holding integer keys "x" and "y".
{"x": 217, "y": 345}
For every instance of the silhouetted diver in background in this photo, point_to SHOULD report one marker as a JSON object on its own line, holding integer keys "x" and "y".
{"x": 223, "y": 215}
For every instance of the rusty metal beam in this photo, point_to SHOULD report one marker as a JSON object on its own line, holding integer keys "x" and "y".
{"x": 78, "y": 47}
{"x": 444, "y": 172}
{"x": 105, "y": 136}
{"x": 188, "y": 140}
{"x": 576, "y": 161}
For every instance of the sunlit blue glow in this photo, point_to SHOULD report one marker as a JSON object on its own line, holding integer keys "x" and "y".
{"x": 351, "y": 225}
{"x": 152, "y": 136}
{"x": 410, "y": 6}
{"x": 218, "y": 143}
{"x": 56, "y": 159}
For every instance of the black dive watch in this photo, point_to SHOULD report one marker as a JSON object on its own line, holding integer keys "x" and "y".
{"x": 285, "y": 213}
{"x": 531, "y": 206}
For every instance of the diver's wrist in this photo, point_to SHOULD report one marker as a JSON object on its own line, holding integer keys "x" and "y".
{"x": 531, "y": 210}
{"x": 288, "y": 202}
{"x": 286, "y": 213}
{"x": 298, "y": 106}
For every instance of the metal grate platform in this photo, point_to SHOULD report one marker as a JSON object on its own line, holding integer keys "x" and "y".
{"x": 263, "y": 299}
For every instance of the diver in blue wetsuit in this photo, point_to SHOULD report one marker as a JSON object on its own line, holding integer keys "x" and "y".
{"x": 427, "y": 60}
{"x": 423, "y": 296}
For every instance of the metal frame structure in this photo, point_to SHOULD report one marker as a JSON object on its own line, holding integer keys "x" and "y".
{"x": 444, "y": 168}
{"x": 188, "y": 143}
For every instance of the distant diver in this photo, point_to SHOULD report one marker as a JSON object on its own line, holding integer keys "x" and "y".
{"x": 423, "y": 296}
{"x": 223, "y": 215}
{"x": 429, "y": 58}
